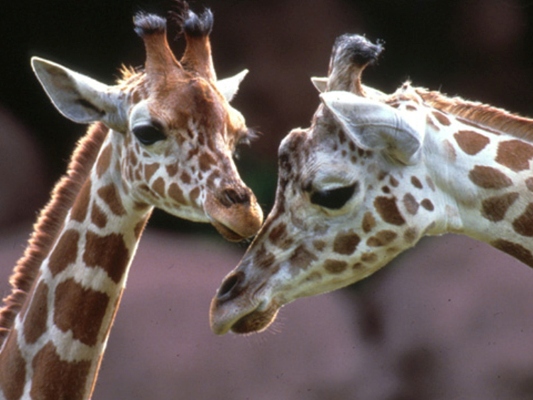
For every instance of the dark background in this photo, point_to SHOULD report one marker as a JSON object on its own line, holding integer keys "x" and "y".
{"x": 482, "y": 50}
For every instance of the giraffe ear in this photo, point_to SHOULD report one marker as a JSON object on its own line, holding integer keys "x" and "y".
{"x": 229, "y": 86}
{"x": 376, "y": 126}
{"x": 78, "y": 97}
{"x": 320, "y": 83}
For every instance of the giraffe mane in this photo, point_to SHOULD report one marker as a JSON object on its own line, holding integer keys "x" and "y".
{"x": 49, "y": 224}
{"x": 487, "y": 117}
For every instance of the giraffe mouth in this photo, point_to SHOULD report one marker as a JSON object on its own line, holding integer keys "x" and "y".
{"x": 256, "y": 321}
{"x": 227, "y": 233}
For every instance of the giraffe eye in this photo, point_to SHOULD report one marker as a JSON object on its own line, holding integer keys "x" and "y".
{"x": 148, "y": 134}
{"x": 333, "y": 199}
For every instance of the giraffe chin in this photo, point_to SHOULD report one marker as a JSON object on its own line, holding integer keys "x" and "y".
{"x": 256, "y": 321}
{"x": 227, "y": 233}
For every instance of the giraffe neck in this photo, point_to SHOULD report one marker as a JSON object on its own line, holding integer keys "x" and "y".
{"x": 56, "y": 344}
{"x": 485, "y": 183}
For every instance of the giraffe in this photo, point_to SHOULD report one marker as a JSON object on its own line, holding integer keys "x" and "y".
{"x": 161, "y": 137}
{"x": 372, "y": 175}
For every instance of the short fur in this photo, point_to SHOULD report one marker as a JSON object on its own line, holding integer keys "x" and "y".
{"x": 488, "y": 117}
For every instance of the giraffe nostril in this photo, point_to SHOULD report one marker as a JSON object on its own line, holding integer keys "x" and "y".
{"x": 231, "y": 197}
{"x": 230, "y": 287}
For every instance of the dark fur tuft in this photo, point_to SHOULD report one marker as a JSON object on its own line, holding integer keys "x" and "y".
{"x": 148, "y": 24}
{"x": 357, "y": 50}
{"x": 199, "y": 25}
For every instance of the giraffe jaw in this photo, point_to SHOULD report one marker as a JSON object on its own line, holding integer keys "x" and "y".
{"x": 226, "y": 232}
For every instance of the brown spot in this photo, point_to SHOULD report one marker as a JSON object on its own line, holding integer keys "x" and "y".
{"x": 523, "y": 225}
{"x": 79, "y": 310}
{"x": 314, "y": 277}
{"x": 35, "y": 320}
{"x": 369, "y": 222}
{"x": 185, "y": 178}
{"x": 301, "y": 257}
{"x": 319, "y": 244}
{"x": 104, "y": 160}
{"x": 430, "y": 183}
{"x": 54, "y": 378}
{"x": 443, "y": 119}
{"x": 159, "y": 187}
{"x": 529, "y": 184}
{"x": 194, "y": 194}
{"x": 98, "y": 217}
{"x": 206, "y": 161}
{"x": 149, "y": 171}
{"x": 175, "y": 192}
{"x": 81, "y": 204}
{"x": 369, "y": 258}
{"x": 410, "y": 204}
{"x": 427, "y": 204}
{"x": 277, "y": 233}
{"x": 263, "y": 258}
{"x": 65, "y": 252}
{"x": 172, "y": 169}
{"x": 388, "y": 210}
{"x": 489, "y": 178}
{"x": 346, "y": 243}
{"x": 335, "y": 266}
{"x": 382, "y": 238}
{"x": 514, "y": 154}
{"x": 416, "y": 182}
{"x": 193, "y": 152}
{"x": 109, "y": 194}
{"x": 449, "y": 150}
{"x": 12, "y": 379}
{"x": 382, "y": 175}
{"x": 515, "y": 250}
{"x": 107, "y": 252}
{"x": 410, "y": 235}
{"x": 471, "y": 142}
{"x": 431, "y": 123}
{"x": 393, "y": 181}
{"x": 132, "y": 158}
{"x": 494, "y": 208}
{"x": 213, "y": 176}
{"x": 385, "y": 189}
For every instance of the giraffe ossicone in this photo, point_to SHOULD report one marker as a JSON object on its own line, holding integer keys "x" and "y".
{"x": 162, "y": 136}
{"x": 372, "y": 175}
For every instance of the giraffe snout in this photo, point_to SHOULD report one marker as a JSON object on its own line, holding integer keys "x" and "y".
{"x": 241, "y": 306}
{"x": 234, "y": 212}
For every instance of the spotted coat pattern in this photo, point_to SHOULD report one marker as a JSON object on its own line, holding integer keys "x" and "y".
{"x": 345, "y": 208}
{"x": 166, "y": 144}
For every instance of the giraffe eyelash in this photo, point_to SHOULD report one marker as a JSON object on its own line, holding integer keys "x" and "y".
{"x": 245, "y": 140}
{"x": 249, "y": 136}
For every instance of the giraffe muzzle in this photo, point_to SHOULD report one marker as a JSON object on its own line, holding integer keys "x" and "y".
{"x": 234, "y": 212}
{"x": 238, "y": 308}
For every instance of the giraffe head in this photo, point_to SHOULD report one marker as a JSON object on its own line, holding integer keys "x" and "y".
{"x": 352, "y": 194}
{"x": 174, "y": 129}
